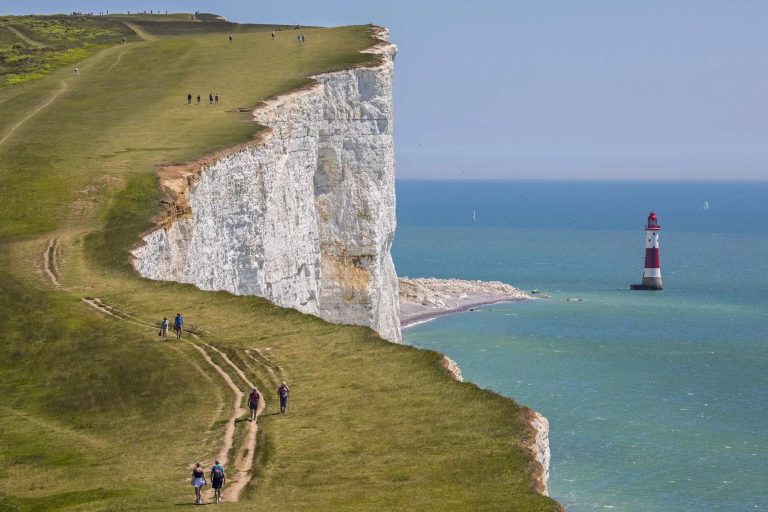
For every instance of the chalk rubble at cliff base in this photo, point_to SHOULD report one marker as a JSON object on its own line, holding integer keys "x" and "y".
{"x": 425, "y": 298}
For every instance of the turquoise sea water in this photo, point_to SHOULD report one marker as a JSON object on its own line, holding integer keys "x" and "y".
{"x": 657, "y": 401}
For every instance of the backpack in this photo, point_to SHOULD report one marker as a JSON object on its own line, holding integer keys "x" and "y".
{"x": 218, "y": 472}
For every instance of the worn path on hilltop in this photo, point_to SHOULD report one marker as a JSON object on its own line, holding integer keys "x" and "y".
{"x": 140, "y": 31}
{"x": 24, "y": 37}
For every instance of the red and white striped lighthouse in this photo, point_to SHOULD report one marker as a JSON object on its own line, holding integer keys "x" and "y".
{"x": 652, "y": 270}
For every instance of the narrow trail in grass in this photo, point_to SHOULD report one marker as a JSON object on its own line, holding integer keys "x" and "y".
{"x": 140, "y": 31}
{"x": 261, "y": 362}
{"x": 278, "y": 374}
{"x": 49, "y": 425}
{"x": 49, "y": 261}
{"x": 219, "y": 397}
{"x": 117, "y": 60}
{"x": 29, "y": 116}
{"x": 243, "y": 461}
{"x": 229, "y": 432}
{"x": 24, "y": 37}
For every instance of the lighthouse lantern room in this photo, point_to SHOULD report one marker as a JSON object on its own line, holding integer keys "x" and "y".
{"x": 652, "y": 270}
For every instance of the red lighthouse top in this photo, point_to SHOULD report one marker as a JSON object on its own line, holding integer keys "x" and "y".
{"x": 653, "y": 222}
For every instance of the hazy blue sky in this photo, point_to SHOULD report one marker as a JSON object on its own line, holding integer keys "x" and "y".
{"x": 553, "y": 89}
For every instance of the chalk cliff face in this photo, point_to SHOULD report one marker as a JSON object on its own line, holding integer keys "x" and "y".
{"x": 540, "y": 449}
{"x": 305, "y": 217}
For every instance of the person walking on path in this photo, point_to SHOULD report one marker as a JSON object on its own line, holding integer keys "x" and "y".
{"x": 189, "y": 99}
{"x": 164, "y": 328}
{"x": 218, "y": 478}
{"x": 253, "y": 403}
{"x": 198, "y": 99}
{"x": 178, "y": 325}
{"x": 198, "y": 481}
{"x": 230, "y": 39}
{"x": 216, "y": 99}
{"x": 210, "y": 98}
{"x": 282, "y": 393}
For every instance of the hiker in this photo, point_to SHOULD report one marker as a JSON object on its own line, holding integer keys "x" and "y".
{"x": 216, "y": 99}
{"x": 164, "y": 329}
{"x": 198, "y": 99}
{"x": 282, "y": 393}
{"x": 210, "y": 98}
{"x": 76, "y": 72}
{"x": 198, "y": 481}
{"x": 123, "y": 39}
{"x": 217, "y": 480}
{"x": 253, "y": 403}
{"x": 230, "y": 39}
{"x": 302, "y": 38}
{"x": 178, "y": 325}
{"x": 298, "y": 38}
{"x": 189, "y": 99}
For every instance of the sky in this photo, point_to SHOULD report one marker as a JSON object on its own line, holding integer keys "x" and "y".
{"x": 545, "y": 89}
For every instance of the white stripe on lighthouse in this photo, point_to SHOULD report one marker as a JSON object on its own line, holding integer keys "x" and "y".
{"x": 652, "y": 272}
{"x": 652, "y": 240}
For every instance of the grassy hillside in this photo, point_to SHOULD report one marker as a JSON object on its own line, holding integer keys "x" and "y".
{"x": 95, "y": 412}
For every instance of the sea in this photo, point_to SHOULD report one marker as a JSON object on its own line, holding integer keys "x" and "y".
{"x": 657, "y": 400}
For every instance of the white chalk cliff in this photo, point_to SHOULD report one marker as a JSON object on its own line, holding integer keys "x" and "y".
{"x": 540, "y": 449}
{"x": 305, "y": 216}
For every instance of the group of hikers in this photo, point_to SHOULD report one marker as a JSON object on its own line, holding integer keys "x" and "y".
{"x": 212, "y": 98}
{"x": 218, "y": 474}
{"x": 253, "y": 400}
{"x": 178, "y": 327}
{"x": 218, "y": 478}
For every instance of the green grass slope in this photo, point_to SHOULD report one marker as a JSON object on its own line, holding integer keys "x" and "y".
{"x": 95, "y": 413}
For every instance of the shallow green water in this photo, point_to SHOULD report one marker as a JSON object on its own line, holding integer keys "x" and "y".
{"x": 656, "y": 400}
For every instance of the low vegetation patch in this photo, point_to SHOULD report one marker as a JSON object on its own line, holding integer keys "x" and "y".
{"x": 32, "y": 46}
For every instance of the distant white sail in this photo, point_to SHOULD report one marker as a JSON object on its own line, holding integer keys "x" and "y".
{"x": 474, "y": 216}
{"x": 706, "y": 205}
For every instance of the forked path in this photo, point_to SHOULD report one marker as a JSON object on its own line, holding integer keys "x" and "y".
{"x": 243, "y": 463}
{"x": 244, "y": 459}
{"x": 229, "y": 433}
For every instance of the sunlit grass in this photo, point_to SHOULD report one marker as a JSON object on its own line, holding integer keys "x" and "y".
{"x": 98, "y": 415}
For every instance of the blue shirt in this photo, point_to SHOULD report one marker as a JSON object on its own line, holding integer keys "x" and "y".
{"x": 213, "y": 475}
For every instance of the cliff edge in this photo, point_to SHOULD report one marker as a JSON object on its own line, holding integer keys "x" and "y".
{"x": 305, "y": 215}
